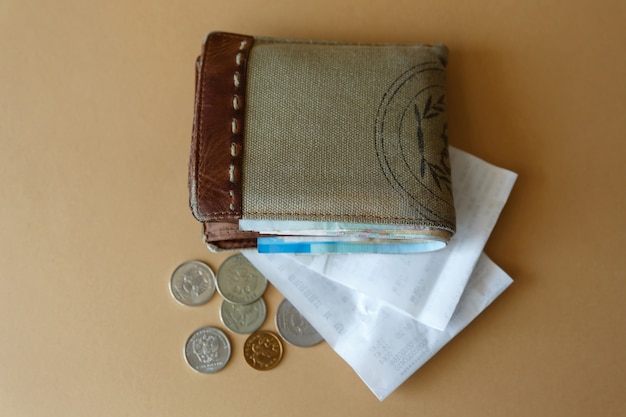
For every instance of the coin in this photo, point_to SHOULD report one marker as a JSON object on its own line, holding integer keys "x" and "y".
{"x": 263, "y": 350}
{"x": 243, "y": 318}
{"x": 207, "y": 350}
{"x": 294, "y": 328}
{"x": 239, "y": 282}
{"x": 192, "y": 283}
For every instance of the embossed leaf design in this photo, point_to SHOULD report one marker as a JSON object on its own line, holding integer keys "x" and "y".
{"x": 440, "y": 172}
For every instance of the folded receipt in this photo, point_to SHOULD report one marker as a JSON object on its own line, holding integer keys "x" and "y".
{"x": 383, "y": 346}
{"x": 386, "y": 315}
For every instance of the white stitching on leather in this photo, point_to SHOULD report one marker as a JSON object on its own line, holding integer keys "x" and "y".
{"x": 231, "y": 173}
{"x": 234, "y": 124}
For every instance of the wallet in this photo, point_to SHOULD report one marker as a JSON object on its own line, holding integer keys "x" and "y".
{"x": 319, "y": 146}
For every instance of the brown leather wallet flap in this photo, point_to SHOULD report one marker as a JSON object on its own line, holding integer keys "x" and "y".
{"x": 216, "y": 153}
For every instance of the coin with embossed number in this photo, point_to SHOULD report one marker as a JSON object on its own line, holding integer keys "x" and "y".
{"x": 207, "y": 350}
{"x": 294, "y": 328}
{"x": 239, "y": 282}
{"x": 192, "y": 283}
{"x": 243, "y": 318}
{"x": 263, "y": 350}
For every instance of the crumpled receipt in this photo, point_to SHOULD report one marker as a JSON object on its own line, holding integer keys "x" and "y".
{"x": 427, "y": 286}
{"x": 386, "y": 315}
{"x": 382, "y": 345}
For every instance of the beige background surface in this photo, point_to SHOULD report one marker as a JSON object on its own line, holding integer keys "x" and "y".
{"x": 96, "y": 108}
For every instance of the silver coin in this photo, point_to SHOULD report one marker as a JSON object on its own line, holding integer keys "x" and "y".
{"x": 239, "y": 282}
{"x": 294, "y": 328}
{"x": 192, "y": 283}
{"x": 207, "y": 350}
{"x": 243, "y": 318}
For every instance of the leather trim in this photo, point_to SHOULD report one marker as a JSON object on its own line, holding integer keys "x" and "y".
{"x": 215, "y": 164}
{"x": 227, "y": 236}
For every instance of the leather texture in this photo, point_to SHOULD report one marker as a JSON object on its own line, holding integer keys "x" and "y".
{"x": 221, "y": 236}
{"x": 216, "y": 155}
{"x": 217, "y": 141}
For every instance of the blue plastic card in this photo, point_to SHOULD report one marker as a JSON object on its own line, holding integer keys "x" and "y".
{"x": 319, "y": 245}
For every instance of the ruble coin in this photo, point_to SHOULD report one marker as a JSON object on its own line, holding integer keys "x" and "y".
{"x": 294, "y": 328}
{"x": 192, "y": 283}
{"x": 207, "y": 350}
{"x": 263, "y": 350}
{"x": 243, "y": 318}
{"x": 239, "y": 282}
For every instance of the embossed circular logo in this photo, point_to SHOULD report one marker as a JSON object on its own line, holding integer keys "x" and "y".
{"x": 412, "y": 143}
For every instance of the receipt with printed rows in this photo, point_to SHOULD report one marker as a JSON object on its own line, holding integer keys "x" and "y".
{"x": 428, "y": 286}
{"x": 382, "y": 345}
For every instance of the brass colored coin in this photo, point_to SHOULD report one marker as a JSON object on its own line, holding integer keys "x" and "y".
{"x": 263, "y": 350}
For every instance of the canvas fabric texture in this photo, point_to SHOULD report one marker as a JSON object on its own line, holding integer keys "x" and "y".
{"x": 347, "y": 133}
